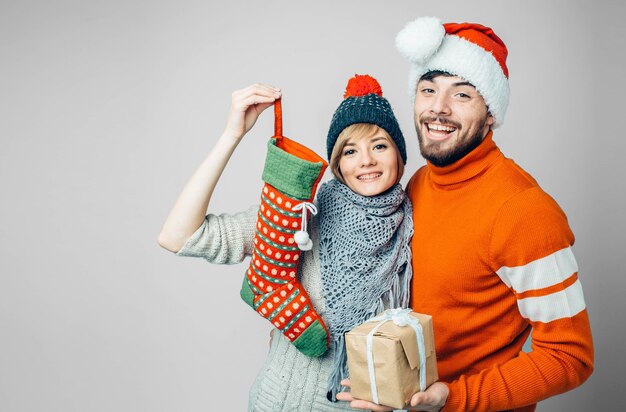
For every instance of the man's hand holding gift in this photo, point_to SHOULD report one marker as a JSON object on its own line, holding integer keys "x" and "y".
{"x": 431, "y": 400}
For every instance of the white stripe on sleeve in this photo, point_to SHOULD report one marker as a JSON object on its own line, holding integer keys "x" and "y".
{"x": 558, "y": 305}
{"x": 541, "y": 273}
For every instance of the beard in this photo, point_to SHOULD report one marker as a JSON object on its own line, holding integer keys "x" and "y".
{"x": 439, "y": 157}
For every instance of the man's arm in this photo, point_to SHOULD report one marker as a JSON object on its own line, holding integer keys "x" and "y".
{"x": 530, "y": 250}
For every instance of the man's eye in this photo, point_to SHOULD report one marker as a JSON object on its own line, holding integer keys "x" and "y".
{"x": 428, "y": 91}
{"x": 463, "y": 95}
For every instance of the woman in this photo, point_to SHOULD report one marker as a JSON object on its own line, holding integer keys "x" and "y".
{"x": 359, "y": 260}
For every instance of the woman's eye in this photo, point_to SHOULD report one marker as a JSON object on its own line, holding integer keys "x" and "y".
{"x": 380, "y": 146}
{"x": 348, "y": 152}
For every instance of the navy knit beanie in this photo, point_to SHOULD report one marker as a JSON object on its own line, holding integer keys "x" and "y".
{"x": 364, "y": 103}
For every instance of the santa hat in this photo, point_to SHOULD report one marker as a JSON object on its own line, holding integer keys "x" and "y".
{"x": 467, "y": 50}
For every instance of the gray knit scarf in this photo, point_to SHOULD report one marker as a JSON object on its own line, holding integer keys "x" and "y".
{"x": 365, "y": 258}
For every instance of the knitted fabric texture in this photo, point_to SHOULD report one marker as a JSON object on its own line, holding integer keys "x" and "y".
{"x": 296, "y": 177}
{"x": 364, "y": 104}
{"x": 365, "y": 260}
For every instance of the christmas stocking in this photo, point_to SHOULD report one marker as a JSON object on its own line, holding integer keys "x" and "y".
{"x": 271, "y": 287}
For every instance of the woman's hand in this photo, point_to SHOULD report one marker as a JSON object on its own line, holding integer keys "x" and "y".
{"x": 246, "y": 106}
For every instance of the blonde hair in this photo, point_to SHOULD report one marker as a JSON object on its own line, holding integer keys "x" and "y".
{"x": 360, "y": 131}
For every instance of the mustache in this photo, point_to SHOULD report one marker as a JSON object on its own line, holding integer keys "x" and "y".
{"x": 441, "y": 120}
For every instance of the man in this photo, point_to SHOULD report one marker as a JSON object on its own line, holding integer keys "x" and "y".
{"x": 492, "y": 255}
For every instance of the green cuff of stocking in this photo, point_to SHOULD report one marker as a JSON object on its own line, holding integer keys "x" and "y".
{"x": 289, "y": 174}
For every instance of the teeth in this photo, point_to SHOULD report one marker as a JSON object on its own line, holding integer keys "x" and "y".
{"x": 441, "y": 128}
{"x": 369, "y": 176}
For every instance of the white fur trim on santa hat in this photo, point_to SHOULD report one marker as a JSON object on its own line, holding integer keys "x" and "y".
{"x": 420, "y": 39}
{"x": 465, "y": 59}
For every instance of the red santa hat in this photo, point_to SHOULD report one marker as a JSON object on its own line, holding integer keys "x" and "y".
{"x": 467, "y": 50}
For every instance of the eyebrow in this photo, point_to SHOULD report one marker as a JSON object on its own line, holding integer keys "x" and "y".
{"x": 457, "y": 84}
{"x": 464, "y": 84}
{"x": 375, "y": 139}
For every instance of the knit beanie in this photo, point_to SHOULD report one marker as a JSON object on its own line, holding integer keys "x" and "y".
{"x": 467, "y": 50}
{"x": 364, "y": 103}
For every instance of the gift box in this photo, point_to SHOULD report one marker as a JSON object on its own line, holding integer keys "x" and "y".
{"x": 391, "y": 357}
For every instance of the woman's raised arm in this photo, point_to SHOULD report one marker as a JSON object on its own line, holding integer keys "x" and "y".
{"x": 191, "y": 205}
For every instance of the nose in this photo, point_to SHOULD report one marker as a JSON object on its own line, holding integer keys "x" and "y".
{"x": 367, "y": 159}
{"x": 440, "y": 104}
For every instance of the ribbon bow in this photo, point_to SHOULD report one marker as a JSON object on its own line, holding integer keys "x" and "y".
{"x": 400, "y": 317}
{"x": 301, "y": 236}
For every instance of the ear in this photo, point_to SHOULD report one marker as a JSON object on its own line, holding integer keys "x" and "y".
{"x": 490, "y": 119}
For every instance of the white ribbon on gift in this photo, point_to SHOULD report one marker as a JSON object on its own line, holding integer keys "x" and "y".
{"x": 401, "y": 318}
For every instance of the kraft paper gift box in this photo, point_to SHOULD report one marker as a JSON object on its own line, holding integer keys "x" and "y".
{"x": 395, "y": 358}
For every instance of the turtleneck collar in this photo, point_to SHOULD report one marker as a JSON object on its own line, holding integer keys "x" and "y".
{"x": 474, "y": 163}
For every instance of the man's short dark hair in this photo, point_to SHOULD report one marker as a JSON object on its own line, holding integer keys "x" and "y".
{"x": 434, "y": 73}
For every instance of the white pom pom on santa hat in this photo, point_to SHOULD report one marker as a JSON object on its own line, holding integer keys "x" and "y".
{"x": 420, "y": 39}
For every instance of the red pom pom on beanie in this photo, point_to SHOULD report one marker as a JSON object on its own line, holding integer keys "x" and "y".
{"x": 362, "y": 85}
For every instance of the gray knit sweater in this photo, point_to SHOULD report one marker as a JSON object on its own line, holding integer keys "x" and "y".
{"x": 289, "y": 380}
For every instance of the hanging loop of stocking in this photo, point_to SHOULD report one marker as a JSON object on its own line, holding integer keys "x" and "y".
{"x": 299, "y": 152}
{"x": 278, "y": 119}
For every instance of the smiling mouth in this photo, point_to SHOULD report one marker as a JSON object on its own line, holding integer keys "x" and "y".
{"x": 369, "y": 176}
{"x": 440, "y": 128}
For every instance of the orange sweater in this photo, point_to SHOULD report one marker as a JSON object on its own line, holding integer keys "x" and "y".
{"x": 492, "y": 259}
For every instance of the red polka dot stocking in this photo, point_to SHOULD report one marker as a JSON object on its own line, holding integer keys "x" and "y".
{"x": 271, "y": 285}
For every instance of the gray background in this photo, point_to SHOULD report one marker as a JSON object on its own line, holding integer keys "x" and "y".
{"x": 108, "y": 107}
